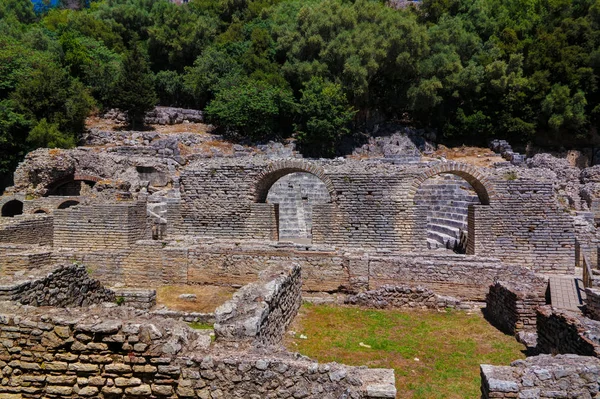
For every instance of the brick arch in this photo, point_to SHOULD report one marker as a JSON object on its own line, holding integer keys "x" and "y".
{"x": 480, "y": 182}
{"x": 276, "y": 170}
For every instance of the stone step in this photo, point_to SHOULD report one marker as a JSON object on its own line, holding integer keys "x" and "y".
{"x": 447, "y": 230}
{"x": 444, "y": 239}
{"x": 455, "y": 223}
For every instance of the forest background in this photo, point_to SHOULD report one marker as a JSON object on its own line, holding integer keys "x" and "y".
{"x": 318, "y": 70}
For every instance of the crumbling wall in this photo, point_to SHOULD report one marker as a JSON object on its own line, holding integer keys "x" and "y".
{"x": 65, "y": 286}
{"x": 390, "y": 296}
{"x": 567, "y": 332}
{"x": 544, "y": 376}
{"x": 118, "y": 352}
{"x": 260, "y": 312}
{"x": 511, "y": 306}
{"x": 30, "y": 229}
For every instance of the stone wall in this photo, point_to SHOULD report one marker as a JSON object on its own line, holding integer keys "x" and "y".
{"x": 109, "y": 226}
{"x": 567, "y": 332}
{"x": 67, "y": 285}
{"x": 592, "y": 303}
{"x": 30, "y": 229}
{"x": 135, "y": 298}
{"x": 390, "y": 296}
{"x": 511, "y": 306}
{"x": 462, "y": 276}
{"x": 260, "y": 312}
{"x": 544, "y": 376}
{"x": 527, "y": 225}
{"x": 118, "y": 352}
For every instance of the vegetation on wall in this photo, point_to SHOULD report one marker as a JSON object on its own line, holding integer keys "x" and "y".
{"x": 317, "y": 69}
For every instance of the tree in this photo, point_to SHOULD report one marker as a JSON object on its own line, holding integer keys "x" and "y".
{"x": 134, "y": 90}
{"x": 47, "y": 135}
{"x": 325, "y": 117}
{"x": 255, "y": 110}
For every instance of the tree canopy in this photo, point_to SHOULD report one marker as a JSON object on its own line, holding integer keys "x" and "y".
{"x": 521, "y": 70}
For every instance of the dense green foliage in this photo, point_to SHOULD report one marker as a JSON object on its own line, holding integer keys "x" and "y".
{"x": 523, "y": 70}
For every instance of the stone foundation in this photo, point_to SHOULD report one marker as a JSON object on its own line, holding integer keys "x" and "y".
{"x": 511, "y": 307}
{"x": 544, "y": 376}
{"x": 135, "y": 298}
{"x": 390, "y": 296}
{"x": 592, "y": 303}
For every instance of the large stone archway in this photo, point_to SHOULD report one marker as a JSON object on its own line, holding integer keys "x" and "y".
{"x": 276, "y": 170}
{"x": 480, "y": 182}
{"x": 77, "y": 177}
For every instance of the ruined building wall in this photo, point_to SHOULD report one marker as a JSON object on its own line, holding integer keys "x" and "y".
{"x": 108, "y": 226}
{"x": 511, "y": 306}
{"x": 526, "y": 226}
{"x": 67, "y": 285}
{"x": 30, "y": 229}
{"x": 260, "y": 312}
{"x": 544, "y": 376}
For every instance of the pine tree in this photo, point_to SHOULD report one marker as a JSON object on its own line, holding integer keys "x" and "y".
{"x": 134, "y": 92}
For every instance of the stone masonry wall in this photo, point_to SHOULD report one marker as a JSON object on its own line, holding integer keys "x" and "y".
{"x": 110, "y": 226}
{"x": 30, "y": 229}
{"x": 592, "y": 303}
{"x": 462, "y": 276}
{"x": 527, "y": 225}
{"x": 390, "y": 296}
{"x": 260, "y": 312}
{"x": 567, "y": 332}
{"x": 511, "y": 306}
{"x": 67, "y": 285}
{"x": 114, "y": 352}
{"x": 544, "y": 376}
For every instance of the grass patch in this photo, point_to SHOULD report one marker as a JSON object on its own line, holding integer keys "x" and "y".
{"x": 208, "y": 297}
{"x": 449, "y": 346}
{"x": 201, "y": 326}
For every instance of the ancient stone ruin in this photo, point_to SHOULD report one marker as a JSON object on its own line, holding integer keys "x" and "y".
{"x": 387, "y": 226}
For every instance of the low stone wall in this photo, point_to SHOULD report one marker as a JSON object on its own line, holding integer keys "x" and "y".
{"x": 592, "y": 303}
{"x": 135, "y": 298}
{"x": 462, "y": 276}
{"x": 390, "y": 296}
{"x": 567, "y": 332}
{"x": 512, "y": 306}
{"x": 64, "y": 286}
{"x": 119, "y": 352}
{"x": 544, "y": 376}
{"x": 27, "y": 229}
{"x": 260, "y": 312}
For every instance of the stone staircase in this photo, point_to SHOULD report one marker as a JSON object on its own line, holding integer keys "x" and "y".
{"x": 447, "y": 198}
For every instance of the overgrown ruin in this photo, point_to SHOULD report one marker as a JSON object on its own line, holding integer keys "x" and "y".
{"x": 142, "y": 209}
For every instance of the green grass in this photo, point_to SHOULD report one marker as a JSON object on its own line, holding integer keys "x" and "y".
{"x": 201, "y": 326}
{"x": 449, "y": 346}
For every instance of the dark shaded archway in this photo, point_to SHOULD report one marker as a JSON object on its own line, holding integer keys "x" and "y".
{"x": 71, "y": 185}
{"x": 68, "y": 204}
{"x": 40, "y": 211}
{"x": 12, "y": 208}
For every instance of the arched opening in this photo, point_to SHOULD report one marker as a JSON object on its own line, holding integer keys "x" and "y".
{"x": 72, "y": 186}
{"x": 12, "y": 208}
{"x": 40, "y": 211}
{"x": 295, "y": 194}
{"x": 447, "y": 197}
{"x": 68, "y": 204}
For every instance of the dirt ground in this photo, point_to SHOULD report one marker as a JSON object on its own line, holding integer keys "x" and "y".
{"x": 472, "y": 155}
{"x": 208, "y": 297}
